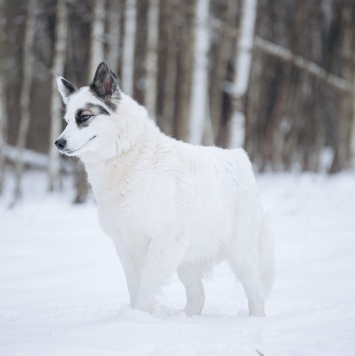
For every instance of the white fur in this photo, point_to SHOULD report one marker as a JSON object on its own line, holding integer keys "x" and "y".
{"x": 169, "y": 205}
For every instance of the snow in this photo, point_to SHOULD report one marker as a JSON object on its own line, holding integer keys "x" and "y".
{"x": 63, "y": 292}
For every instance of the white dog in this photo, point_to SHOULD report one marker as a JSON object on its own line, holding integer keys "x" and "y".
{"x": 166, "y": 204}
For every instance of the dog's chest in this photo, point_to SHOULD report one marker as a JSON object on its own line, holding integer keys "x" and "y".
{"x": 128, "y": 208}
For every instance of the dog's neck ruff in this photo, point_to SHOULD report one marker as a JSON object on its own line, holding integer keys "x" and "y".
{"x": 123, "y": 166}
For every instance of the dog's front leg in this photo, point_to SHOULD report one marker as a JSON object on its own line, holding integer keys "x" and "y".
{"x": 131, "y": 272}
{"x": 163, "y": 257}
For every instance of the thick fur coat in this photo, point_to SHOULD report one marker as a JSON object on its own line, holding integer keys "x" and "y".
{"x": 167, "y": 205}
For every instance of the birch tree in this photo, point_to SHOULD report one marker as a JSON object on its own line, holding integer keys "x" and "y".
{"x": 169, "y": 13}
{"x": 198, "y": 104}
{"x": 242, "y": 70}
{"x": 25, "y": 115}
{"x": 55, "y": 106}
{"x": 97, "y": 37}
{"x": 3, "y": 111}
{"x": 113, "y": 35}
{"x": 152, "y": 57}
{"x": 129, "y": 47}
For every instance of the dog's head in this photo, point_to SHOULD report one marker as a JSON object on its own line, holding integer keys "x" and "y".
{"x": 91, "y": 114}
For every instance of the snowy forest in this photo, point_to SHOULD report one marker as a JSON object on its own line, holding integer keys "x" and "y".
{"x": 273, "y": 76}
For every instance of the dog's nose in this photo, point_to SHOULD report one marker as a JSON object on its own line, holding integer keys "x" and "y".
{"x": 60, "y": 143}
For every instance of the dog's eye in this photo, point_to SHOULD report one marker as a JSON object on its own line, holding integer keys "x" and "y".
{"x": 85, "y": 118}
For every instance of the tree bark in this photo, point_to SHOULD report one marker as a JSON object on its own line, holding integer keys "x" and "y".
{"x": 342, "y": 154}
{"x": 25, "y": 107}
{"x": 81, "y": 184}
{"x": 55, "y": 106}
{"x": 168, "y": 108}
{"x": 3, "y": 108}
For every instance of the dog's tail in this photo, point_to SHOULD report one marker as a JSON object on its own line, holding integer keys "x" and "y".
{"x": 266, "y": 254}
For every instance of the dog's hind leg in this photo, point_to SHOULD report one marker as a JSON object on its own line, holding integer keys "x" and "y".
{"x": 191, "y": 276}
{"x": 243, "y": 256}
{"x": 245, "y": 267}
{"x": 163, "y": 257}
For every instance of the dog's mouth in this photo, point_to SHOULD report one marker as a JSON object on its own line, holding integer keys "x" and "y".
{"x": 72, "y": 152}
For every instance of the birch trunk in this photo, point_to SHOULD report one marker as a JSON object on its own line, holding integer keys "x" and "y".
{"x": 25, "y": 114}
{"x": 129, "y": 41}
{"x": 197, "y": 114}
{"x": 113, "y": 36}
{"x": 242, "y": 71}
{"x": 170, "y": 61}
{"x": 223, "y": 52}
{"x": 55, "y": 106}
{"x": 150, "y": 95}
{"x": 3, "y": 111}
{"x": 97, "y": 37}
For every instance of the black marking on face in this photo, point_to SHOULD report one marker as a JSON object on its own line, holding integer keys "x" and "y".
{"x": 105, "y": 86}
{"x": 84, "y": 116}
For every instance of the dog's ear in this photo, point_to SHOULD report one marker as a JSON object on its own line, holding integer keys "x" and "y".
{"x": 105, "y": 83}
{"x": 65, "y": 88}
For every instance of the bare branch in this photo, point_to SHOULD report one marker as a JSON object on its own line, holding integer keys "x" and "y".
{"x": 300, "y": 62}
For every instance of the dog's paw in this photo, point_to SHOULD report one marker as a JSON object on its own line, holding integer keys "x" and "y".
{"x": 144, "y": 305}
{"x": 163, "y": 312}
{"x": 193, "y": 308}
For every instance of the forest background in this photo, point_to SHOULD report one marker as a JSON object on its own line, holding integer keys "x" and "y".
{"x": 274, "y": 76}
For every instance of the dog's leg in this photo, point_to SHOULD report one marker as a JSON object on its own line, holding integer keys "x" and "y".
{"x": 191, "y": 276}
{"x": 246, "y": 269}
{"x": 130, "y": 270}
{"x": 163, "y": 257}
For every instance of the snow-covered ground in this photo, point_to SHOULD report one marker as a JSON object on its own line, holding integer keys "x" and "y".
{"x": 63, "y": 292}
